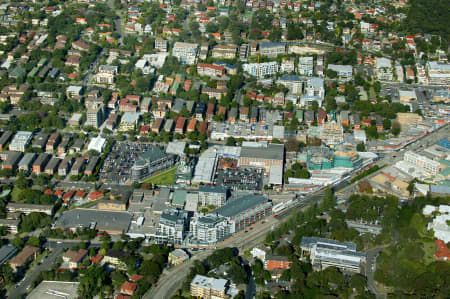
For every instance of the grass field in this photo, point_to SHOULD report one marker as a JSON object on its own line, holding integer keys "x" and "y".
{"x": 166, "y": 178}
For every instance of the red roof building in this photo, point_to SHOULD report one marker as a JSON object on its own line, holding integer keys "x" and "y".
{"x": 203, "y": 126}
{"x": 95, "y": 195}
{"x": 128, "y": 288}
{"x": 277, "y": 262}
{"x": 179, "y": 127}
{"x": 443, "y": 253}
{"x": 191, "y": 125}
{"x": 59, "y": 193}
{"x": 136, "y": 277}
{"x": 144, "y": 130}
{"x": 96, "y": 259}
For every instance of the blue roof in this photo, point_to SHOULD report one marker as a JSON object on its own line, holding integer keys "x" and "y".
{"x": 224, "y": 64}
{"x": 271, "y": 44}
{"x": 286, "y": 77}
{"x": 444, "y": 143}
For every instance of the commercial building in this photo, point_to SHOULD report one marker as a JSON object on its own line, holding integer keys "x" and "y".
{"x": 112, "y": 222}
{"x": 151, "y": 161}
{"x": 212, "y": 195}
{"x": 185, "y": 52}
{"x": 177, "y": 256}
{"x": 438, "y": 73}
{"x": 262, "y": 155}
{"x": 97, "y": 144}
{"x": 208, "y": 287}
{"x": 173, "y": 225}
{"x": 324, "y": 253}
{"x": 429, "y": 165}
{"x": 245, "y": 211}
{"x": 21, "y": 141}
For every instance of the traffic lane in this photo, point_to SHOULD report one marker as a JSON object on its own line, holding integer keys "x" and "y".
{"x": 19, "y": 290}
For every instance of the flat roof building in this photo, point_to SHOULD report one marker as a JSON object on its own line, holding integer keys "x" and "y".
{"x": 112, "y": 222}
{"x": 325, "y": 253}
{"x": 262, "y": 155}
{"x": 208, "y": 287}
{"x": 20, "y": 141}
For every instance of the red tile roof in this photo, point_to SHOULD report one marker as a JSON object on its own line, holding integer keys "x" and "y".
{"x": 96, "y": 259}
{"x": 443, "y": 252}
{"x": 128, "y": 287}
{"x": 80, "y": 193}
{"x": 95, "y": 195}
{"x": 136, "y": 277}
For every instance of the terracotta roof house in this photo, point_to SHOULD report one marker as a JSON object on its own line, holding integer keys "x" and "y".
{"x": 74, "y": 258}
{"x": 128, "y": 288}
{"x": 27, "y": 254}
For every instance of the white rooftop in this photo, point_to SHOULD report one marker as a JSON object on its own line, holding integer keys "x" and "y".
{"x": 97, "y": 144}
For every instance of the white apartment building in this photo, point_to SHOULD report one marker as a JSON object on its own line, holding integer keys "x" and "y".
{"x": 261, "y": 69}
{"x": 438, "y": 73}
{"x": 384, "y": 69}
{"x": 421, "y": 161}
{"x": 185, "y": 52}
{"x": 344, "y": 72}
{"x": 315, "y": 87}
{"x": 209, "y": 229}
{"x": 287, "y": 65}
{"x": 306, "y": 66}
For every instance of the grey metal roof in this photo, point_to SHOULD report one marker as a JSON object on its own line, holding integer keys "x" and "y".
{"x": 105, "y": 220}
{"x": 53, "y": 163}
{"x": 92, "y": 164}
{"x": 27, "y": 159}
{"x": 271, "y": 152}
{"x": 239, "y": 205}
{"x": 212, "y": 189}
{"x": 6, "y": 252}
{"x": 13, "y": 159}
{"x": 41, "y": 159}
{"x": 5, "y": 137}
{"x": 309, "y": 242}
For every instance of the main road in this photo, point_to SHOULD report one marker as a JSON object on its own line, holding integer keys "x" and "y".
{"x": 172, "y": 280}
